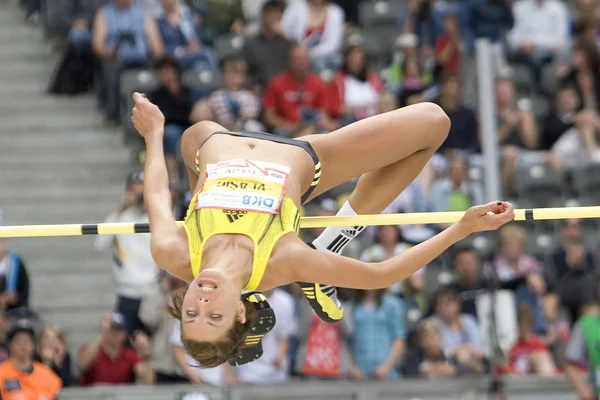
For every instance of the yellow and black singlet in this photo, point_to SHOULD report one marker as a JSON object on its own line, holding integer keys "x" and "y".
{"x": 245, "y": 197}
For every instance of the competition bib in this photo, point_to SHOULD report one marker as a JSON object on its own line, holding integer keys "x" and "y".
{"x": 243, "y": 185}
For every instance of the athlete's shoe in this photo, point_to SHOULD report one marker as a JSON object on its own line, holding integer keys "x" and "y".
{"x": 323, "y": 300}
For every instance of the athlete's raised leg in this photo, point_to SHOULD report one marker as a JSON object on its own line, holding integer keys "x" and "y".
{"x": 387, "y": 151}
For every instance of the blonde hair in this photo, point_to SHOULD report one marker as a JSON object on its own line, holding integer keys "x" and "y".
{"x": 512, "y": 232}
{"x": 428, "y": 326}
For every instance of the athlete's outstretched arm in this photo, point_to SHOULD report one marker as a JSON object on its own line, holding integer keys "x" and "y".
{"x": 331, "y": 269}
{"x": 168, "y": 250}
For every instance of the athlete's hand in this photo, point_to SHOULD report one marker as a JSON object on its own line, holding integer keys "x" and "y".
{"x": 486, "y": 217}
{"x": 146, "y": 117}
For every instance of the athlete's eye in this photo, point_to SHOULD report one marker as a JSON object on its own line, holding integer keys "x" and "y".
{"x": 216, "y": 316}
{"x": 190, "y": 313}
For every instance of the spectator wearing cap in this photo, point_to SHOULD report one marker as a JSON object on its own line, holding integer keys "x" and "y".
{"x": 125, "y": 35}
{"x": 319, "y": 26}
{"x": 135, "y": 273}
{"x": 355, "y": 91}
{"x": 267, "y": 53}
{"x": 178, "y": 32}
{"x": 106, "y": 360}
{"x": 20, "y": 376}
{"x": 296, "y": 102}
{"x": 14, "y": 280}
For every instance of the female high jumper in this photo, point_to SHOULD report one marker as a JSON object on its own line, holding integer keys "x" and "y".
{"x": 241, "y": 229}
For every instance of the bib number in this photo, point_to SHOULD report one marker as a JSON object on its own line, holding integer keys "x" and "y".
{"x": 244, "y": 185}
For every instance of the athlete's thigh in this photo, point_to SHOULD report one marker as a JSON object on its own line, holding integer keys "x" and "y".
{"x": 191, "y": 141}
{"x": 376, "y": 142}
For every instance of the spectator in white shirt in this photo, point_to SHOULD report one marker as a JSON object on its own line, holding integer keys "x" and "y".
{"x": 541, "y": 29}
{"x": 135, "y": 273}
{"x": 273, "y": 367}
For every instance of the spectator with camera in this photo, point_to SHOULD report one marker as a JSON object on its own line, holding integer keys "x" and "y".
{"x": 107, "y": 360}
{"x": 125, "y": 35}
{"x": 134, "y": 272}
{"x": 52, "y": 352}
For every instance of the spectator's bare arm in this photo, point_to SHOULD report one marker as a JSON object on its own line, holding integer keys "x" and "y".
{"x": 180, "y": 359}
{"x": 153, "y": 35}
{"x": 578, "y": 380}
{"x": 99, "y": 37}
{"x": 87, "y": 354}
{"x": 529, "y": 131}
{"x": 275, "y": 121}
{"x": 144, "y": 372}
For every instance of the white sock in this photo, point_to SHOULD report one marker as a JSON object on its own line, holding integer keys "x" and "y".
{"x": 335, "y": 238}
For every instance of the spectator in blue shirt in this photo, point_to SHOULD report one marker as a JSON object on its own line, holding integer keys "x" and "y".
{"x": 488, "y": 19}
{"x": 378, "y": 334}
{"x": 179, "y": 36}
{"x": 14, "y": 281}
{"x": 461, "y": 338}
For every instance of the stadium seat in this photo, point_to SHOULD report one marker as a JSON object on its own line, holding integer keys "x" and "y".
{"x": 202, "y": 79}
{"x": 522, "y": 77}
{"x": 381, "y": 12}
{"x": 549, "y": 81}
{"x": 541, "y": 106}
{"x": 538, "y": 184}
{"x": 586, "y": 182}
{"x": 135, "y": 80}
{"x": 542, "y": 245}
{"x": 228, "y": 45}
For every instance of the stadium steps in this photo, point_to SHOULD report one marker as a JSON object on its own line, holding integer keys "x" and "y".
{"x": 58, "y": 164}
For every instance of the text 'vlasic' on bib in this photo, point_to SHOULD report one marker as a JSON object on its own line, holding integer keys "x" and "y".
{"x": 244, "y": 185}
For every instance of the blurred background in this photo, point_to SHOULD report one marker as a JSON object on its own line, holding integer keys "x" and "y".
{"x": 508, "y": 314}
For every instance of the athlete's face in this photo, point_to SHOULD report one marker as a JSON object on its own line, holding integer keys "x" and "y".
{"x": 210, "y": 307}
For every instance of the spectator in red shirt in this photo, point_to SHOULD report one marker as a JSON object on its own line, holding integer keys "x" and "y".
{"x": 449, "y": 44}
{"x": 529, "y": 355}
{"x": 106, "y": 360}
{"x": 295, "y": 102}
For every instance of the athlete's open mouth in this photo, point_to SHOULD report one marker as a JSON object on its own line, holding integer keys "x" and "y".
{"x": 207, "y": 285}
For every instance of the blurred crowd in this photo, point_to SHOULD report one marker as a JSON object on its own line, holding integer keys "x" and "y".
{"x": 312, "y": 66}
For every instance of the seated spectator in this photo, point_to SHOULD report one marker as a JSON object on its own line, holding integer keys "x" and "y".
{"x": 582, "y": 74}
{"x": 469, "y": 283}
{"x": 379, "y": 334}
{"x": 513, "y": 264}
{"x": 517, "y": 130}
{"x": 355, "y": 91}
{"x": 461, "y": 338}
{"x": 14, "y": 280}
{"x": 295, "y": 102}
{"x": 541, "y": 29}
{"x": 222, "y": 17}
{"x": 581, "y": 354}
{"x": 176, "y": 102}
{"x": 178, "y": 33}
{"x": 52, "y": 351}
{"x": 253, "y": 13}
{"x": 407, "y": 46}
{"x": 412, "y": 81}
{"x": 425, "y": 19}
{"x": 124, "y": 35}
{"x": 428, "y": 359}
{"x": 273, "y": 366}
{"x": 463, "y": 135}
{"x": 135, "y": 273}
{"x": 456, "y": 192}
{"x": 558, "y": 328}
{"x": 189, "y": 368}
{"x": 234, "y": 106}
{"x": 267, "y": 53}
{"x": 529, "y": 355}
{"x": 319, "y": 26}
{"x": 449, "y": 44}
{"x": 21, "y": 376}
{"x": 567, "y": 131}
{"x": 571, "y": 236}
{"x": 75, "y": 18}
{"x": 323, "y": 348}
{"x": 106, "y": 360}
{"x": 489, "y": 19}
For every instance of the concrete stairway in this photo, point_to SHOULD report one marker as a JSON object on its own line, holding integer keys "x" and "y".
{"x": 58, "y": 164}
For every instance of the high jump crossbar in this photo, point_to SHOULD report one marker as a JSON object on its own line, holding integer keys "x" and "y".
{"x": 535, "y": 214}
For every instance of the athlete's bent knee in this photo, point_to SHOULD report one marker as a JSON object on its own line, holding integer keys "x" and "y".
{"x": 437, "y": 122}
